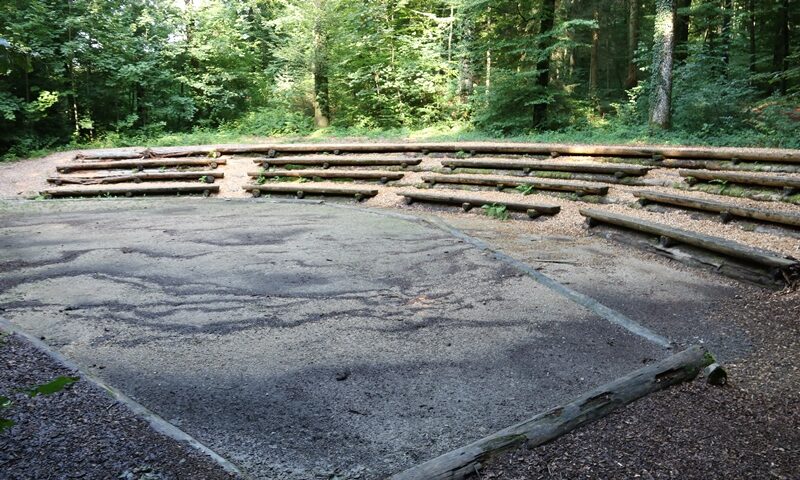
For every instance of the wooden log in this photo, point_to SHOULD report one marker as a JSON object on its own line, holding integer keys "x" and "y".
{"x": 131, "y": 190}
{"x": 473, "y": 200}
{"x": 141, "y": 164}
{"x": 715, "y": 244}
{"x": 305, "y": 189}
{"x": 766, "y": 180}
{"x": 651, "y": 151}
{"x": 730, "y": 166}
{"x": 338, "y": 161}
{"x": 510, "y": 182}
{"x": 139, "y": 153}
{"x": 644, "y": 151}
{"x": 505, "y": 164}
{"x": 134, "y": 177}
{"x": 774, "y": 216}
{"x": 311, "y": 173}
{"x": 681, "y": 367}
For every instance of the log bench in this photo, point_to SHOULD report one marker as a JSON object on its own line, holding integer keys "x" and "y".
{"x": 554, "y": 149}
{"x": 790, "y": 185}
{"x": 619, "y": 170}
{"x": 142, "y": 164}
{"x": 129, "y": 191}
{"x": 209, "y": 176}
{"x": 379, "y": 175}
{"x": 467, "y": 202}
{"x": 725, "y": 209}
{"x": 507, "y": 182}
{"x": 669, "y": 235}
{"x": 332, "y": 161}
{"x": 300, "y": 190}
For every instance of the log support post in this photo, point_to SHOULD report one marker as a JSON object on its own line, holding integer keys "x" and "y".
{"x": 666, "y": 241}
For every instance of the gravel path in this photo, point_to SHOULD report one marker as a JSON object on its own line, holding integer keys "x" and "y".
{"x": 80, "y": 431}
{"x": 748, "y": 429}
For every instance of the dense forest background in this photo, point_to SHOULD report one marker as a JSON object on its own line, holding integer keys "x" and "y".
{"x": 112, "y": 72}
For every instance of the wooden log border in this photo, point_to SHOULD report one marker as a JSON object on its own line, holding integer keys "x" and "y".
{"x": 680, "y": 367}
{"x": 723, "y": 208}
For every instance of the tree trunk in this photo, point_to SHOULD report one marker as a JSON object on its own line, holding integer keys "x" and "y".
{"x": 466, "y": 70}
{"x": 543, "y": 65}
{"x": 781, "y": 51}
{"x": 727, "y": 13}
{"x": 751, "y": 30}
{"x": 663, "y": 49}
{"x": 322, "y": 111}
{"x": 594, "y": 61}
{"x": 682, "y": 30}
{"x": 633, "y": 43}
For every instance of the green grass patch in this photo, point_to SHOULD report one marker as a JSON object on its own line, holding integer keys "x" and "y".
{"x": 494, "y": 210}
{"x": 55, "y": 386}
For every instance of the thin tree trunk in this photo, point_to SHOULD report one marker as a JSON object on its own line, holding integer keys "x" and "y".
{"x": 543, "y": 65}
{"x": 727, "y": 13}
{"x": 488, "y": 78}
{"x": 594, "y": 61}
{"x": 781, "y": 51}
{"x": 633, "y": 43}
{"x": 751, "y": 30}
{"x": 682, "y": 31}
{"x": 466, "y": 70}
{"x": 322, "y": 112}
{"x": 663, "y": 49}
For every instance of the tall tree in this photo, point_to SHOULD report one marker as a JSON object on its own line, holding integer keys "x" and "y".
{"x": 633, "y": 43}
{"x": 547, "y": 20}
{"x": 661, "y": 79}
{"x": 682, "y": 30}
{"x": 322, "y": 103}
{"x": 781, "y": 50}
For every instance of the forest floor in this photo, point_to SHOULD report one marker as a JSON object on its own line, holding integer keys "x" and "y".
{"x": 750, "y": 428}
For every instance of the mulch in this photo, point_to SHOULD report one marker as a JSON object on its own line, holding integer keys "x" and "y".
{"x": 80, "y": 431}
{"x": 747, "y": 429}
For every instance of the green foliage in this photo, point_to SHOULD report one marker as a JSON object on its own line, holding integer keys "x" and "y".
{"x": 55, "y": 386}
{"x": 110, "y": 73}
{"x": 525, "y": 189}
{"x": 494, "y": 210}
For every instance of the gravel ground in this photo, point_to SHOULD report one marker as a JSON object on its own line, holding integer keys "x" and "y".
{"x": 80, "y": 432}
{"x": 747, "y": 429}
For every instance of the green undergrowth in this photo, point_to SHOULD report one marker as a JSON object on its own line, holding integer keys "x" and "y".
{"x": 497, "y": 211}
